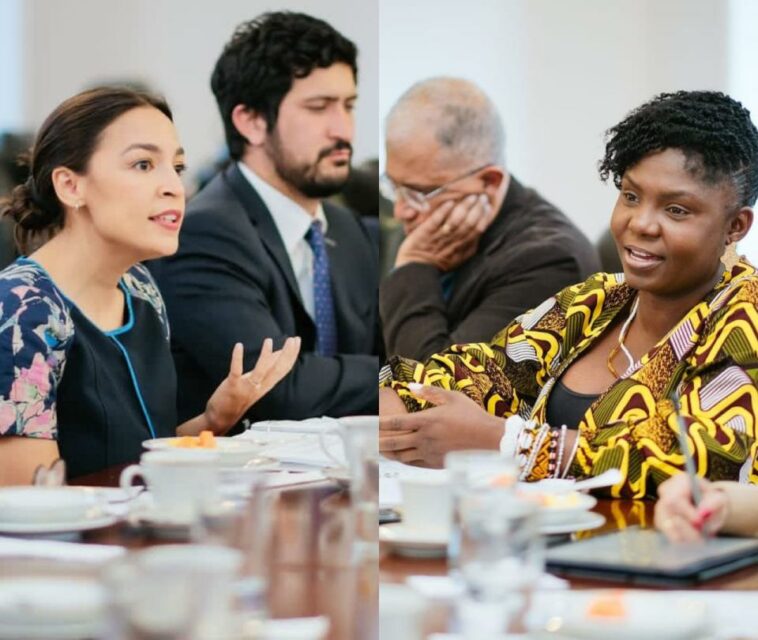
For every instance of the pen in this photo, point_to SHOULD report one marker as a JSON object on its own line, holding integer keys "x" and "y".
{"x": 689, "y": 464}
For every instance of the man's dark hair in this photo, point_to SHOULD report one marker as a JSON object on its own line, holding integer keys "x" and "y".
{"x": 714, "y": 131}
{"x": 264, "y": 57}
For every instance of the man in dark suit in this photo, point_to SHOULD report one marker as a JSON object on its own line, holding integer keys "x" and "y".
{"x": 259, "y": 254}
{"x": 480, "y": 247}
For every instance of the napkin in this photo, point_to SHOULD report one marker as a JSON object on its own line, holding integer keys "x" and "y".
{"x": 302, "y": 450}
{"x": 55, "y": 550}
{"x": 278, "y": 479}
{"x": 311, "y": 425}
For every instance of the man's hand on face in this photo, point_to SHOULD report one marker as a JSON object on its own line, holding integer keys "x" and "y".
{"x": 449, "y": 236}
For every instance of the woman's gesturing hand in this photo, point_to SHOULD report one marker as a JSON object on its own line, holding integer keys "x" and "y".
{"x": 423, "y": 438}
{"x": 239, "y": 391}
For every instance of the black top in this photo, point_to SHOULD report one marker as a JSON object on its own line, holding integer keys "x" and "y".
{"x": 568, "y": 407}
{"x": 99, "y": 394}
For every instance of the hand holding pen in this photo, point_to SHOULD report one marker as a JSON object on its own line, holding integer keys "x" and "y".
{"x": 677, "y": 516}
{"x": 689, "y": 507}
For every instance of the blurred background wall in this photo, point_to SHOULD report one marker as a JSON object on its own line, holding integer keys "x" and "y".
{"x": 51, "y": 49}
{"x": 563, "y": 71}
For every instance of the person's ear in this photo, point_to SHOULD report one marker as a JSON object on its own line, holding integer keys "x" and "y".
{"x": 492, "y": 178}
{"x": 739, "y": 225}
{"x": 69, "y": 187}
{"x": 250, "y": 124}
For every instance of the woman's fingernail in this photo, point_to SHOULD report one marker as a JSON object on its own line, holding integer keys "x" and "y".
{"x": 415, "y": 386}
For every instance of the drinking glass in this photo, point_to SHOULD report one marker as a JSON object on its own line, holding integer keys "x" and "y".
{"x": 501, "y": 557}
{"x": 243, "y": 522}
{"x": 360, "y": 439}
{"x": 470, "y": 470}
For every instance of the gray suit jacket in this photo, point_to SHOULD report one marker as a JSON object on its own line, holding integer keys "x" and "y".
{"x": 232, "y": 281}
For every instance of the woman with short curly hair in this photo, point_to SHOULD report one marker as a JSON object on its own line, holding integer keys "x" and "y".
{"x": 595, "y": 367}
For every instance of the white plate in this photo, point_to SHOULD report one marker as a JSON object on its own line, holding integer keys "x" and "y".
{"x": 51, "y": 608}
{"x": 581, "y": 522}
{"x": 568, "y": 506}
{"x": 414, "y": 543}
{"x": 32, "y": 528}
{"x": 231, "y": 451}
{"x": 40, "y": 505}
{"x": 648, "y": 615}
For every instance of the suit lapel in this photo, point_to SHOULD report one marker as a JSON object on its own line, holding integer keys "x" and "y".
{"x": 261, "y": 218}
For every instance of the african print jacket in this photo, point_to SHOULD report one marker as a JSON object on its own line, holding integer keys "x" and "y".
{"x": 710, "y": 357}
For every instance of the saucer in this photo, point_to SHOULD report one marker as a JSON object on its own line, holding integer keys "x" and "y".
{"x": 41, "y": 505}
{"x": 583, "y": 521}
{"x": 96, "y": 521}
{"x": 414, "y": 543}
{"x": 557, "y": 506}
{"x": 231, "y": 451}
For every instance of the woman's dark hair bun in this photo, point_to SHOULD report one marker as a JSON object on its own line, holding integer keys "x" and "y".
{"x": 24, "y": 207}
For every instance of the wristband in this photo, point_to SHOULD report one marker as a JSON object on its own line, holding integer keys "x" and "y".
{"x": 513, "y": 427}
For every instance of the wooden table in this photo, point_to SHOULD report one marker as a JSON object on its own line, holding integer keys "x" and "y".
{"x": 619, "y": 514}
{"x": 312, "y": 568}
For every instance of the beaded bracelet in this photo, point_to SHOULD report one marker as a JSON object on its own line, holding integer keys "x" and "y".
{"x": 561, "y": 448}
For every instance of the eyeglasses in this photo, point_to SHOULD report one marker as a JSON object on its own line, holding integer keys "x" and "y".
{"x": 415, "y": 199}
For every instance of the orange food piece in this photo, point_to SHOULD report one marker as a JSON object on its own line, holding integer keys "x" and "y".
{"x": 607, "y": 606}
{"x": 503, "y": 480}
{"x": 207, "y": 440}
{"x": 185, "y": 442}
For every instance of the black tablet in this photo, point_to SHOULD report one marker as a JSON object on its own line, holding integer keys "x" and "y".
{"x": 644, "y": 556}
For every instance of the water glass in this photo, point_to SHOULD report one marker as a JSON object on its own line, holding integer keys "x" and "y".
{"x": 471, "y": 470}
{"x": 243, "y": 523}
{"x": 360, "y": 437}
{"x": 501, "y": 558}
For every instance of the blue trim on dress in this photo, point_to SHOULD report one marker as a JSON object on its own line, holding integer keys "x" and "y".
{"x": 121, "y": 285}
{"x": 130, "y": 321}
{"x": 133, "y": 375}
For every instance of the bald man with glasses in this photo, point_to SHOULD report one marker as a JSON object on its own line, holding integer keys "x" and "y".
{"x": 479, "y": 247}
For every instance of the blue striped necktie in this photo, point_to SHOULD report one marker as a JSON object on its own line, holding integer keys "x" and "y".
{"x": 326, "y": 325}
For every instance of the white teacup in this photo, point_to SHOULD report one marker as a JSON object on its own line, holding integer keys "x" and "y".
{"x": 427, "y": 503}
{"x": 179, "y": 481}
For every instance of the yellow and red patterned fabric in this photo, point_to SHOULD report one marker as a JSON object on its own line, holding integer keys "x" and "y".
{"x": 710, "y": 357}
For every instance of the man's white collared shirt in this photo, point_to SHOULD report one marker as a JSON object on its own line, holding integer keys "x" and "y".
{"x": 292, "y": 222}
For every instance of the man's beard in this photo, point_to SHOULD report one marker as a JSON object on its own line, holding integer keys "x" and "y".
{"x": 305, "y": 177}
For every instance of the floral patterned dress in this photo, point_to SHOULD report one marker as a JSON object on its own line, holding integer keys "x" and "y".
{"x": 710, "y": 358}
{"x": 99, "y": 394}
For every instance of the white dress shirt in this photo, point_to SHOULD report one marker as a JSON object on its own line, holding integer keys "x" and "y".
{"x": 292, "y": 222}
